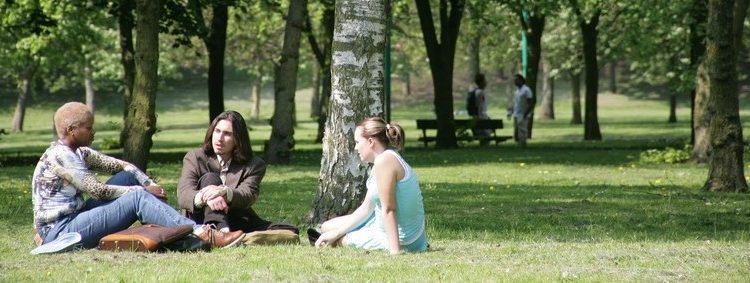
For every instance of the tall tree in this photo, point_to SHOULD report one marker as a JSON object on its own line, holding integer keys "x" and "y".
{"x": 589, "y": 32}
{"x": 357, "y": 76}
{"x": 281, "y": 142}
{"x": 441, "y": 53}
{"x": 125, "y": 25}
{"x": 321, "y": 48}
{"x": 141, "y": 119}
{"x": 701, "y": 116}
{"x": 215, "y": 41}
{"x": 548, "y": 91}
{"x": 725, "y": 161}
{"x": 575, "y": 86}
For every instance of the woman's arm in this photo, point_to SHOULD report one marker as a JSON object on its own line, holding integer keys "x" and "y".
{"x": 75, "y": 171}
{"x": 388, "y": 171}
{"x": 350, "y": 222}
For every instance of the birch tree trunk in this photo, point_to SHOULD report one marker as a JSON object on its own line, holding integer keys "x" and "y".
{"x": 357, "y": 92}
{"x": 725, "y": 161}
{"x": 23, "y": 93}
{"x": 141, "y": 118}
{"x": 548, "y": 92}
{"x": 89, "y": 86}
{"x": 256, "y": 94}
{"x": 280, "y": 144}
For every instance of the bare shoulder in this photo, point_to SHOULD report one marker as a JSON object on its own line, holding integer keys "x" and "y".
{"x": 388, "y": 162}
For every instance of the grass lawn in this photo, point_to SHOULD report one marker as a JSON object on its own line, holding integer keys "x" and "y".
{"x": 560, "y": 210}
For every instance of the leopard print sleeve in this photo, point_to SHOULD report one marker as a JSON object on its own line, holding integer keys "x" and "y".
{"x": 101, "y": 162}
{"x": 73, "y": 170}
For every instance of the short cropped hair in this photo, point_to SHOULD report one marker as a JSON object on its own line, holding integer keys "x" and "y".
{"x": 71, "y": 114}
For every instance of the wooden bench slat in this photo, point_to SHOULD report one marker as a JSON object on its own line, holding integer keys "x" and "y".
{"x": 463, "y": 124}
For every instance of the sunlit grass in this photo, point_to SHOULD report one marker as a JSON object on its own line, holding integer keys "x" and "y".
{"x": 561, "y": 209}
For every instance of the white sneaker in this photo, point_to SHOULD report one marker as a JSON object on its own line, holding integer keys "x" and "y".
{"x": 63, "y": 243}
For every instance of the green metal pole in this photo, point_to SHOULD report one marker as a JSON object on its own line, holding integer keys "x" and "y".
{"x": 524, "y": 45}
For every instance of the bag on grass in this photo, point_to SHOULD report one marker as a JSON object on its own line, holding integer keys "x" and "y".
{"x": 144, "y": 238}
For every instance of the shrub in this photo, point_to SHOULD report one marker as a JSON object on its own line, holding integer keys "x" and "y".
{"x": 668, "y": 155}
{"x": 110, "y": 143}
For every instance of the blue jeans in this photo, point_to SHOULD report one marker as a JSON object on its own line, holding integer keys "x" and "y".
{"x": 100, "y": 218}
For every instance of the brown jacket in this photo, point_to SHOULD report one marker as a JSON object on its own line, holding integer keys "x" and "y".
{"x": 243, "y": 178}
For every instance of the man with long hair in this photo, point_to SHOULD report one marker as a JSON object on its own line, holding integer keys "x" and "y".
{"x": 220, "y": 180}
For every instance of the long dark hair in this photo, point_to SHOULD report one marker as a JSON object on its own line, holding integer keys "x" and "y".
{"x": 242, "y": 151}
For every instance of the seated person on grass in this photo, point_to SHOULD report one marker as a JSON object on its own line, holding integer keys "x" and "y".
{"x": 220, "y": 181}
{"x": 391, "y": 217}
{"x": 64, "y": 174}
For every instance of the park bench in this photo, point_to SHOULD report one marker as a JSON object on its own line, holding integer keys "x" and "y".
{"x": 464, "y": 130}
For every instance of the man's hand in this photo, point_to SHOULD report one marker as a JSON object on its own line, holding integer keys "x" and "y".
{"x": 218, "y": 204}
{"x": 212, "y": 192}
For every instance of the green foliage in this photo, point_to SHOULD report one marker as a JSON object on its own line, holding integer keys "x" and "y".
{"x": 668, "y": 155}
{"x": 109, "y": 143}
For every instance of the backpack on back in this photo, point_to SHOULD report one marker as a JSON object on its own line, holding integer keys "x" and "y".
{"x": 471, "y": 103}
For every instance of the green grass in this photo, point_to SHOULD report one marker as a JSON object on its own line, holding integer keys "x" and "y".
{"x": 560, "y": 210}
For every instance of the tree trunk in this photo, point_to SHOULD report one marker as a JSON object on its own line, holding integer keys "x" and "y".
{"x": 575, "y": 82}
{"x": 358, "y": 90}
{"x": 591, "y": 119}
{"x": 407, "y": 83}
{"x": 126, "y": 24}
{"x": 216, "y": 45}
{"x": 698, "y": 96}
{"x": 257, "y": 92}
{"x": 23, "y": 92}
{"x": 534, "y": 32}
{"x": 548, "y": 92}
{"x": 672, "y": 108}
{"x": 327, "y": 22}
{"x": 315, "y": 98}
{"x": 725, "y": 161}
{"x": 89, "y": 86}
{"x": 141, "y": 122}
{"x": 701, "y": 117}
{"x": 441, "y": 54}
{"x": 281, "y": 142}
{"x": 474, "y": 59}
{"x": 613, "y": 76}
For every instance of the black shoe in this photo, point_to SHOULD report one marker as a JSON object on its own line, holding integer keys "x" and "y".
{"x": 312, "y": 236}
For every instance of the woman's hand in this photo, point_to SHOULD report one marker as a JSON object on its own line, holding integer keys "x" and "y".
{"x": 328, "y": 239}
{"x": 157, "y": 191}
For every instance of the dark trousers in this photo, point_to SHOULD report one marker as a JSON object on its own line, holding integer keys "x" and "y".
{"x": 237, "y": 219}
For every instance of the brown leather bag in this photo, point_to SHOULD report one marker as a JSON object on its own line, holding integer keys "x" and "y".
{"x": 144, "y": 238}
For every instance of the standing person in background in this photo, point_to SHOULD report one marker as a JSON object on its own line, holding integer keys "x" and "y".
{"x": 523, "y": 106}
{"x": 477, "y": 108}
{"x": 391, "y": 217}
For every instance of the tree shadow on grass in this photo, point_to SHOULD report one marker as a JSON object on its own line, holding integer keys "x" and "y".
{"x": 530, "y": 155}
{"x": 585, "y": 213}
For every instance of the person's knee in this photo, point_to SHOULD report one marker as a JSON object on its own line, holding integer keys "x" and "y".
{"x": 123, "y": 178}
{"x": 210, "y": 178}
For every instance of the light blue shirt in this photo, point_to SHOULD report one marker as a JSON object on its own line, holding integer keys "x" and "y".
{"x": 520, "y": 103}
{"x": 409, "y": 204}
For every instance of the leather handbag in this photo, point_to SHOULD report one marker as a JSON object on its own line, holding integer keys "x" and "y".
{"x": 144, "y": 238}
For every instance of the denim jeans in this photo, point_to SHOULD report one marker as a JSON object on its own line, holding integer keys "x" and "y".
{"x": 100, "y": 218}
